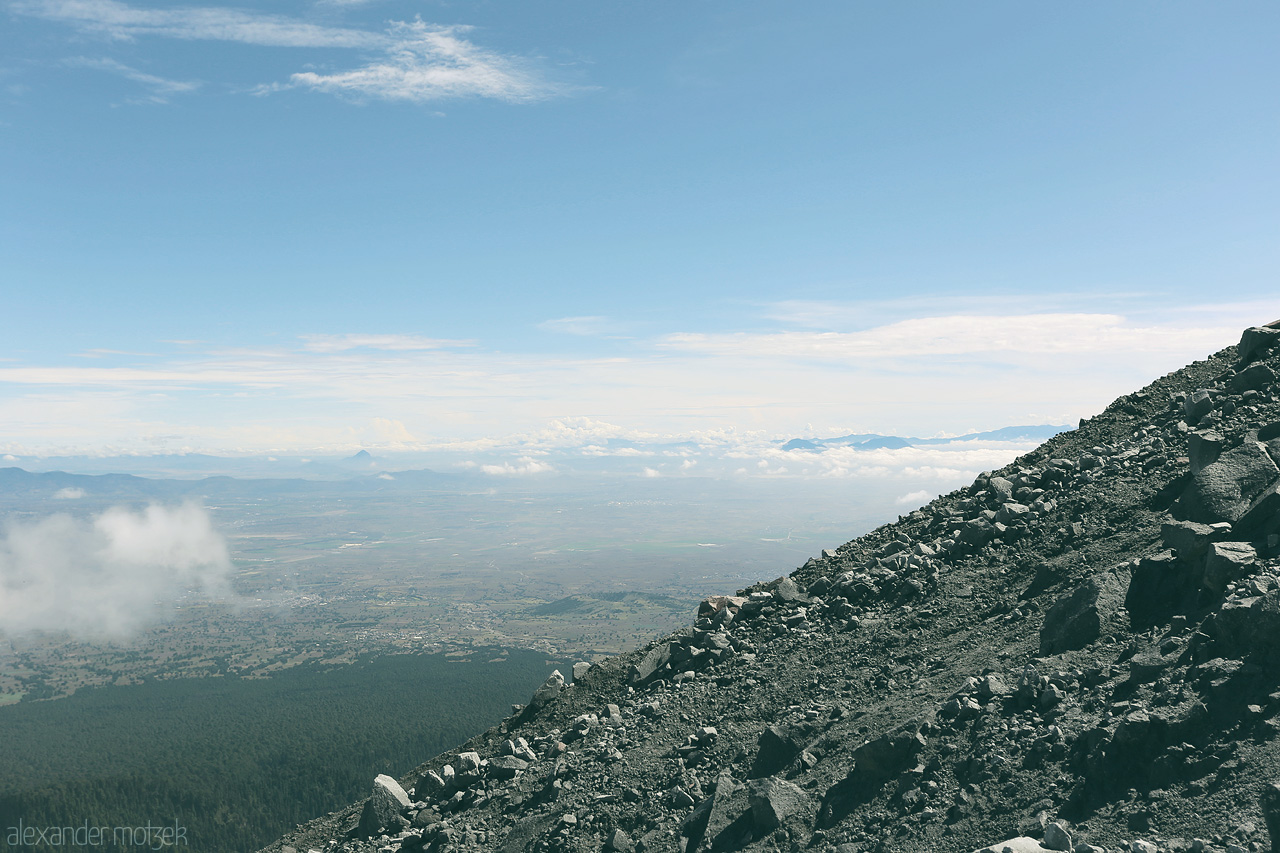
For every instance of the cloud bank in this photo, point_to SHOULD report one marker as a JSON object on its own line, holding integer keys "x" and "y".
{"x": 339, "y": 393}
{"x": 108, "y": 576}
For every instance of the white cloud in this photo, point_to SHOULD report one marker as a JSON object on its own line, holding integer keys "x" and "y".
{"x": 161, "y": 90}
{"x": 948, "y": 465}
{"x": 960, "y": 334}
{"x": 110, "y": 575}
{"x": 650, "y": 472}
{"x": 584, "y": 326}
{"x": 428, "y": 63}
{"x": 394, "y": 343}
{"x": 914, "y": 498}
{"x": 211, "y": 23}
{"x": 687, "y": 464}
{"x": 524, "y": 465}
{"x": 70, "y": 493}
{"x": 597, "y": 450}
{"x": 389, "y": 431}
{"x": 337, "y": 393}
{"x": 417, "y": 62}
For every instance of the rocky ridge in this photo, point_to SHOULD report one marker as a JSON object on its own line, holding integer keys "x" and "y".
{"x": 1080, "y": 651}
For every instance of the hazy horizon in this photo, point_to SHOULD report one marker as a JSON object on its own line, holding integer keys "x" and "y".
{"x": 327, "y": 226}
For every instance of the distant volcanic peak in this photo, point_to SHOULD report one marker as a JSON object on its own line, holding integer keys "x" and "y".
{"x": 1083, "y": 646}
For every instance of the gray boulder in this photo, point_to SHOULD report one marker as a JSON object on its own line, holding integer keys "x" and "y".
{"x": 1001, "y": 488}
{"x": 506, "y": 766}
{"x": 1224, "y": 490}
{"x": 722, "y": 819}
{"x": 383, "y": 806}
{"x": 1057, "y": 837}
{"x": 977, "y": 532}
{"x": 788, "y": 590}
{"x": 775, "y": 802}
{"x": 619, "y": 842}
{"x": 651, "y": 664}
{"x": 778, "y": 747}
{"x": 1203, "y": 448}
{"x": 1256, "y": 341}
{"x": 1263, "y": 515}
{"x": 1250, "y": 626}
{"x": 1189, "y": 540}
{"x": 1021, "y": 844}
{"x": 1197, "y": 405}
{"x": 1225, "y": 562}
{"x": 991, "y": 687}
{"x": 1256, "y": 377}
{"x": 1159, "y": 586}
{"x": 429, "y": 784}
{"x": 549, "y": 690}
{"x": 887, "y": 755}
{"x": 1011, "y": 512}
{"x": 1271, "y": 812}
{"x": 468, "y": 762}
{"x": 1076, "y": 620}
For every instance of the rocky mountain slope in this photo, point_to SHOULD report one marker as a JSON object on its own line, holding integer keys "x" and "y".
{"x": 1079, "y": 651}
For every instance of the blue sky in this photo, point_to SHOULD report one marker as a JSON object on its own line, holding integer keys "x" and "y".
{"x": 314, "y": 226}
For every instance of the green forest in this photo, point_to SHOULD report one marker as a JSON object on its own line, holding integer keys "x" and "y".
{"x": 236, "y": 762}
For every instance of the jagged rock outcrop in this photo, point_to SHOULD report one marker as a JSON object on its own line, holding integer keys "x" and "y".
{"x": 1078, "y": 651}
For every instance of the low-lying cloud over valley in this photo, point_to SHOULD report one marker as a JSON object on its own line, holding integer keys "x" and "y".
{"x": 109, "y": 575}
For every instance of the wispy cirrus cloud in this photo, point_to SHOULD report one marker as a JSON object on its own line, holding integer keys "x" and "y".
{"x": 161, "y": 89}
{"x": 120, "y": 21}
{"x": 407, "y": 61}
{"x": 592, "y": 326}
{"x": 960, "y": 334}
{"x": 430, "y": 63}
{"x": 395, "y": 343}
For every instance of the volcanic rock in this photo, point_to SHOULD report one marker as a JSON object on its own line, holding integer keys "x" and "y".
{"x": 1082, "y": 646}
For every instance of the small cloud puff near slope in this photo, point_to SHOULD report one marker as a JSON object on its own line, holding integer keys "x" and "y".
{"x": 110, "y": 575}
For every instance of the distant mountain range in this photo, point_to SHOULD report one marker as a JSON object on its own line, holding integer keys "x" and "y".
{"x": 874, "y": 441}
{"x": 16, "y": 482}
